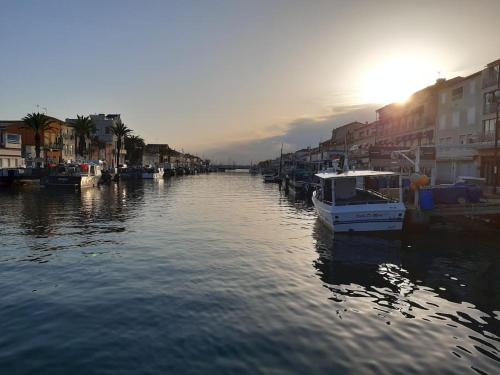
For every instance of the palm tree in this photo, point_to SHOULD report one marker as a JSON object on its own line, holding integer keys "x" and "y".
{"x": 134, "y": 145}
{"x": 120, "y": 130}
{"x": 84, "y": 129}
{"x": 38, "y": 122}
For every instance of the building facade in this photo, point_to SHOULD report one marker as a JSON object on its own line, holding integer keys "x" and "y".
{"x": 490, "y": 93}
{"x": 459, "y": 132}
{"x": 10, "y": 149}
{"x": 51, "y": 143}
{"x": 107, "y": 140}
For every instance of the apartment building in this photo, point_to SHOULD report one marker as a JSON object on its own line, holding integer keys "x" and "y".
{"x": 459, "y": 131}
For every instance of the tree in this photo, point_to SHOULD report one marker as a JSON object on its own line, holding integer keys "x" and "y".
{"x": 84, "y": 129}
{"x": 134, "y": 145}
{"x": 38, "y": 123}
{"x": 120, "y": 130}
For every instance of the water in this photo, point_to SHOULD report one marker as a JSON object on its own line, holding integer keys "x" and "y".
{"x": 222, "y": 274}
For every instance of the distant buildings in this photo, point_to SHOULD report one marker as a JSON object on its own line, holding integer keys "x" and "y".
{"x": 453, "y": 121}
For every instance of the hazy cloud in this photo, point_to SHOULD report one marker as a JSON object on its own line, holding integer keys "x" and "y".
{"x": 295, "y": 135}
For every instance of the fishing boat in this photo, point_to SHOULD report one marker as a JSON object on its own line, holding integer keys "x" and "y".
{"x": 152, "y": 173}
{"x": 74, "y": 176}
{"x": 352, "y": 201}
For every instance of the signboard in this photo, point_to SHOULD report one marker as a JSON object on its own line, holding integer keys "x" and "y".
{"x": 385, "y": 152}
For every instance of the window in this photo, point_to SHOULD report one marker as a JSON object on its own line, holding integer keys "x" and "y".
{"x": 457, "y": 93}
{"x": 13, "y": 139}
{"x": 489, "y": 103}
{"x": 490, "y": 76}
{"x": 472, "y": 87}
{"x": 107, "y": 129}
{"x": 455, "y": 122}
{"x": 443, "y": 98}
{"x": 489, "y": 128}
{"x": 462, "y": 139}
{"x": 470, "y": 138}
{"x": 442, "y": 121}
{"x": 471, "y": 116}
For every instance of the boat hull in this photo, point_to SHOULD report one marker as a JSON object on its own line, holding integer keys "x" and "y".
{"x": 151, "y": 176}
{"x": 77, "y": 182}
{"x": 361, "y": 218}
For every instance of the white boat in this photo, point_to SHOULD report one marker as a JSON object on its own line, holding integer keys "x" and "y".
{"x": 152, "y": 173}
{"x": 349, "y": 201}
{"x": 74, "y": 176}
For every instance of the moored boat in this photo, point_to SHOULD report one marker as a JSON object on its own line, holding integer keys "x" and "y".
{"x": 351, "y": 201}
{"x": 269, "y": 178}
{"x": 74, "y": 176}
{"x": 152, "y": 173}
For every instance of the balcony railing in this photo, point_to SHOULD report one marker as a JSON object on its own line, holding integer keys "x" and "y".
{"x": 490, "y": 108}
{"x": 54, "y": 146}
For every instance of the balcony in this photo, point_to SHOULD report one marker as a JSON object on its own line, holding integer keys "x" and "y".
{"x": 490, "y": 108}
{"x": 54, "y": 146}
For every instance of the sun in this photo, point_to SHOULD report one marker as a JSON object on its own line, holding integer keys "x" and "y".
{"x": 395, "y": 80}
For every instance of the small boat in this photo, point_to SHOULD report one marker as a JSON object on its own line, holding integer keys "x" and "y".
{"x": 74, "y": 176}
{"x": 269, "y": 177}
{"x": 299, "y": 181}
{"x": 152, "y": 173}
{"x": 349, "y": 201}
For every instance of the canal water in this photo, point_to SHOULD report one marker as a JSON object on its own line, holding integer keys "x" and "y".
{"x": 222, "y": 274}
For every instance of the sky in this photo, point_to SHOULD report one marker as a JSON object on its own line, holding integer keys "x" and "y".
{"x": 232, "y": 80}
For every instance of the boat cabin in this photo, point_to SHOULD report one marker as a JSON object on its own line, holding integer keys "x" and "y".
{"x": 83, "y": 169}
{"x": 359, "y": 187}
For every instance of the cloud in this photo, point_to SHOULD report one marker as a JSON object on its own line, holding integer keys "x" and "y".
{"x": 295, "y": 135}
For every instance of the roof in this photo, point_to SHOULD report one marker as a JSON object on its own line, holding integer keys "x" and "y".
{"x": 355, "y": 174}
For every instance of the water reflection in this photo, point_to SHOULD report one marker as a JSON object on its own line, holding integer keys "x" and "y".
{"x": 414, "y": 277}
{"x": 48, "y": 221}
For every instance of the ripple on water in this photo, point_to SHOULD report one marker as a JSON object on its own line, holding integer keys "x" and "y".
{"x": 224, "y": 274}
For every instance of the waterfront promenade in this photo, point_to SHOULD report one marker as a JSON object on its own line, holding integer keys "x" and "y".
{"x": 221, "y": 274}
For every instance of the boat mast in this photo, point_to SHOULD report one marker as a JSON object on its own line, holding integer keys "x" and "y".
{"x": 281, "y": 159}
{"x": 346, "y": 156}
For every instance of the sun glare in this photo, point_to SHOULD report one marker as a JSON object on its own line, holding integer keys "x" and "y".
{"x": 395, "y": 80}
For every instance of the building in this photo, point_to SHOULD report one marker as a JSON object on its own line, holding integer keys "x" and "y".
{"x": 105, "y": 147}
{"x": 10, "y": 148}
{"x": 459, "y": 130}
{"x": 68, "y": 142}
{"x": 490, "y": 84}
{"x": 51, "y": 142}
{"x": 360, "y": 140}
{"x": 343, "y": 134}
{"x": 412, "y": 123}
{"x": 404, "y": 126}
{"x": 302, "y": 156}
{"x": 156, "y": 154}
